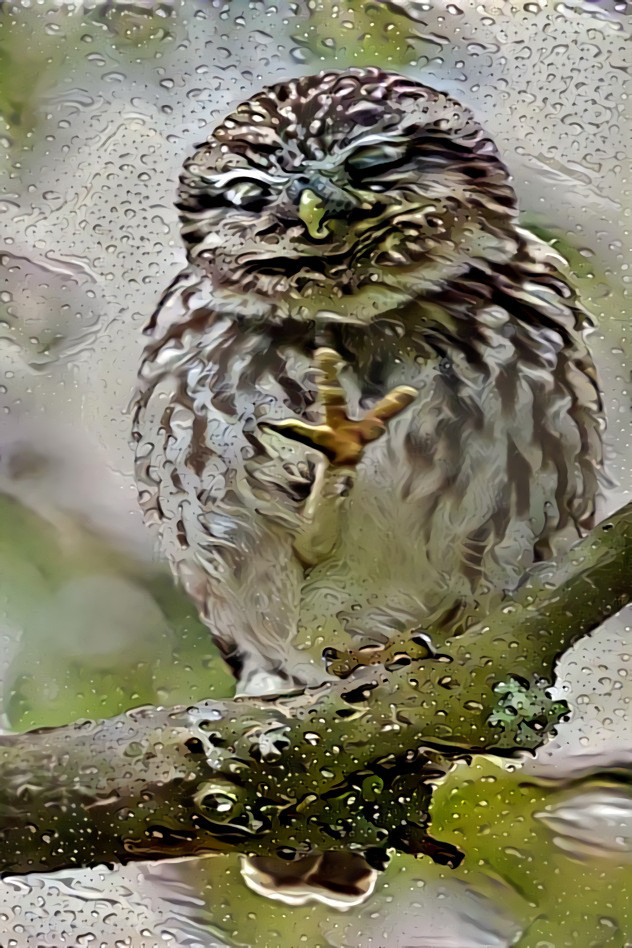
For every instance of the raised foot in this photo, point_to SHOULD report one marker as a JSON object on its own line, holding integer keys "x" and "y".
{"x": 340, "y": 438}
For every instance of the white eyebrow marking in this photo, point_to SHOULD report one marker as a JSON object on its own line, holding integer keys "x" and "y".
{"x": 222, "y": 178}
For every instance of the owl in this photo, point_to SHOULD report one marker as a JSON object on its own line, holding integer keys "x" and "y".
{"x": 366, "y": 403}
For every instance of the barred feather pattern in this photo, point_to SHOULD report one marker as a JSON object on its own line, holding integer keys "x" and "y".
{"x": 416, "y": 273}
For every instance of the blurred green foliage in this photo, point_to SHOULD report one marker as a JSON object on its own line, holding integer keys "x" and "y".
{"x": 549, "y": 897}
{"x": 63, "y": 588}
{"x": 356, "y": 32}
{"x": 96, "y": 632}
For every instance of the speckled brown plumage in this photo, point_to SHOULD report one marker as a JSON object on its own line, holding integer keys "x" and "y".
{"x": 365, "y": 215}
{"x": 422, "y": 278}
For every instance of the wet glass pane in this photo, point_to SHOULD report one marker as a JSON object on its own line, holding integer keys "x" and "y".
{"x": 337, "y": 206}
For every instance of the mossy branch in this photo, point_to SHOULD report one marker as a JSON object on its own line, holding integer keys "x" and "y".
{"x": 349, "y": 765}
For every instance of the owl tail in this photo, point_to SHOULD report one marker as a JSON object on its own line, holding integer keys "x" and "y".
{"x": 340, "y": 880}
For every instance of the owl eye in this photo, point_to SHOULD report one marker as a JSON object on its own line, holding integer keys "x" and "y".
{"x": 247, "y": 194}
{"x": 374, "y": 159}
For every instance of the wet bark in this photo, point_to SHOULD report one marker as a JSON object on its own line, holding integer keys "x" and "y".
{"x": 348, "y": 765}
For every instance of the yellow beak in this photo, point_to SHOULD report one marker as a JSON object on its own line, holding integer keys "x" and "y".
{"x": 311, "y": 211}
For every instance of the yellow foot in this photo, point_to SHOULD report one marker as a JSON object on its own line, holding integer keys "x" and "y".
{"x": 341, "y": 438}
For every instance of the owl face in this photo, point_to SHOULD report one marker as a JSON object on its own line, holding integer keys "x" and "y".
{"x": 320, "y": 190}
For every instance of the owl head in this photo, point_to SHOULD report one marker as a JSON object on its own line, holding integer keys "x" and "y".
{"x": 344, "y": 189}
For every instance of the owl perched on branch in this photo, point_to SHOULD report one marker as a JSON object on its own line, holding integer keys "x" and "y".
{"x": 365, "y": 402}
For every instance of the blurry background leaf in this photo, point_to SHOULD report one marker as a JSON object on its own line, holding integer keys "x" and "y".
{"x": 98, "y": 632}
{"x": 100, "y": 101}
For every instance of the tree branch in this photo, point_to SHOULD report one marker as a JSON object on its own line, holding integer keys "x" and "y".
{"x": 348, "y": 765}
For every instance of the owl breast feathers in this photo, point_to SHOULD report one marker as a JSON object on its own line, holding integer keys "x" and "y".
{"x": 366, "y": 402}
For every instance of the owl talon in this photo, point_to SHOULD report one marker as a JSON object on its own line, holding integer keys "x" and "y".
{"x": 341, "y": 438}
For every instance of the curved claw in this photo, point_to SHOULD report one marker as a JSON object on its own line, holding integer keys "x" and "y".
{"x": 396, "y": 400}
{"x": 339, "y": 446}
{"x": 341, "y": 438}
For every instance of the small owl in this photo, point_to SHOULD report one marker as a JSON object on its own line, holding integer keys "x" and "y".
{"x": 366, "y": 401}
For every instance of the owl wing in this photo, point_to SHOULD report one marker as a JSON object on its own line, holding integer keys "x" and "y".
{"x": 228, "y": 497}
{"x": 166, "y": 428}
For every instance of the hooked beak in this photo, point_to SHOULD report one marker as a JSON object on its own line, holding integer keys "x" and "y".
{"x": 311, "y": 211}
